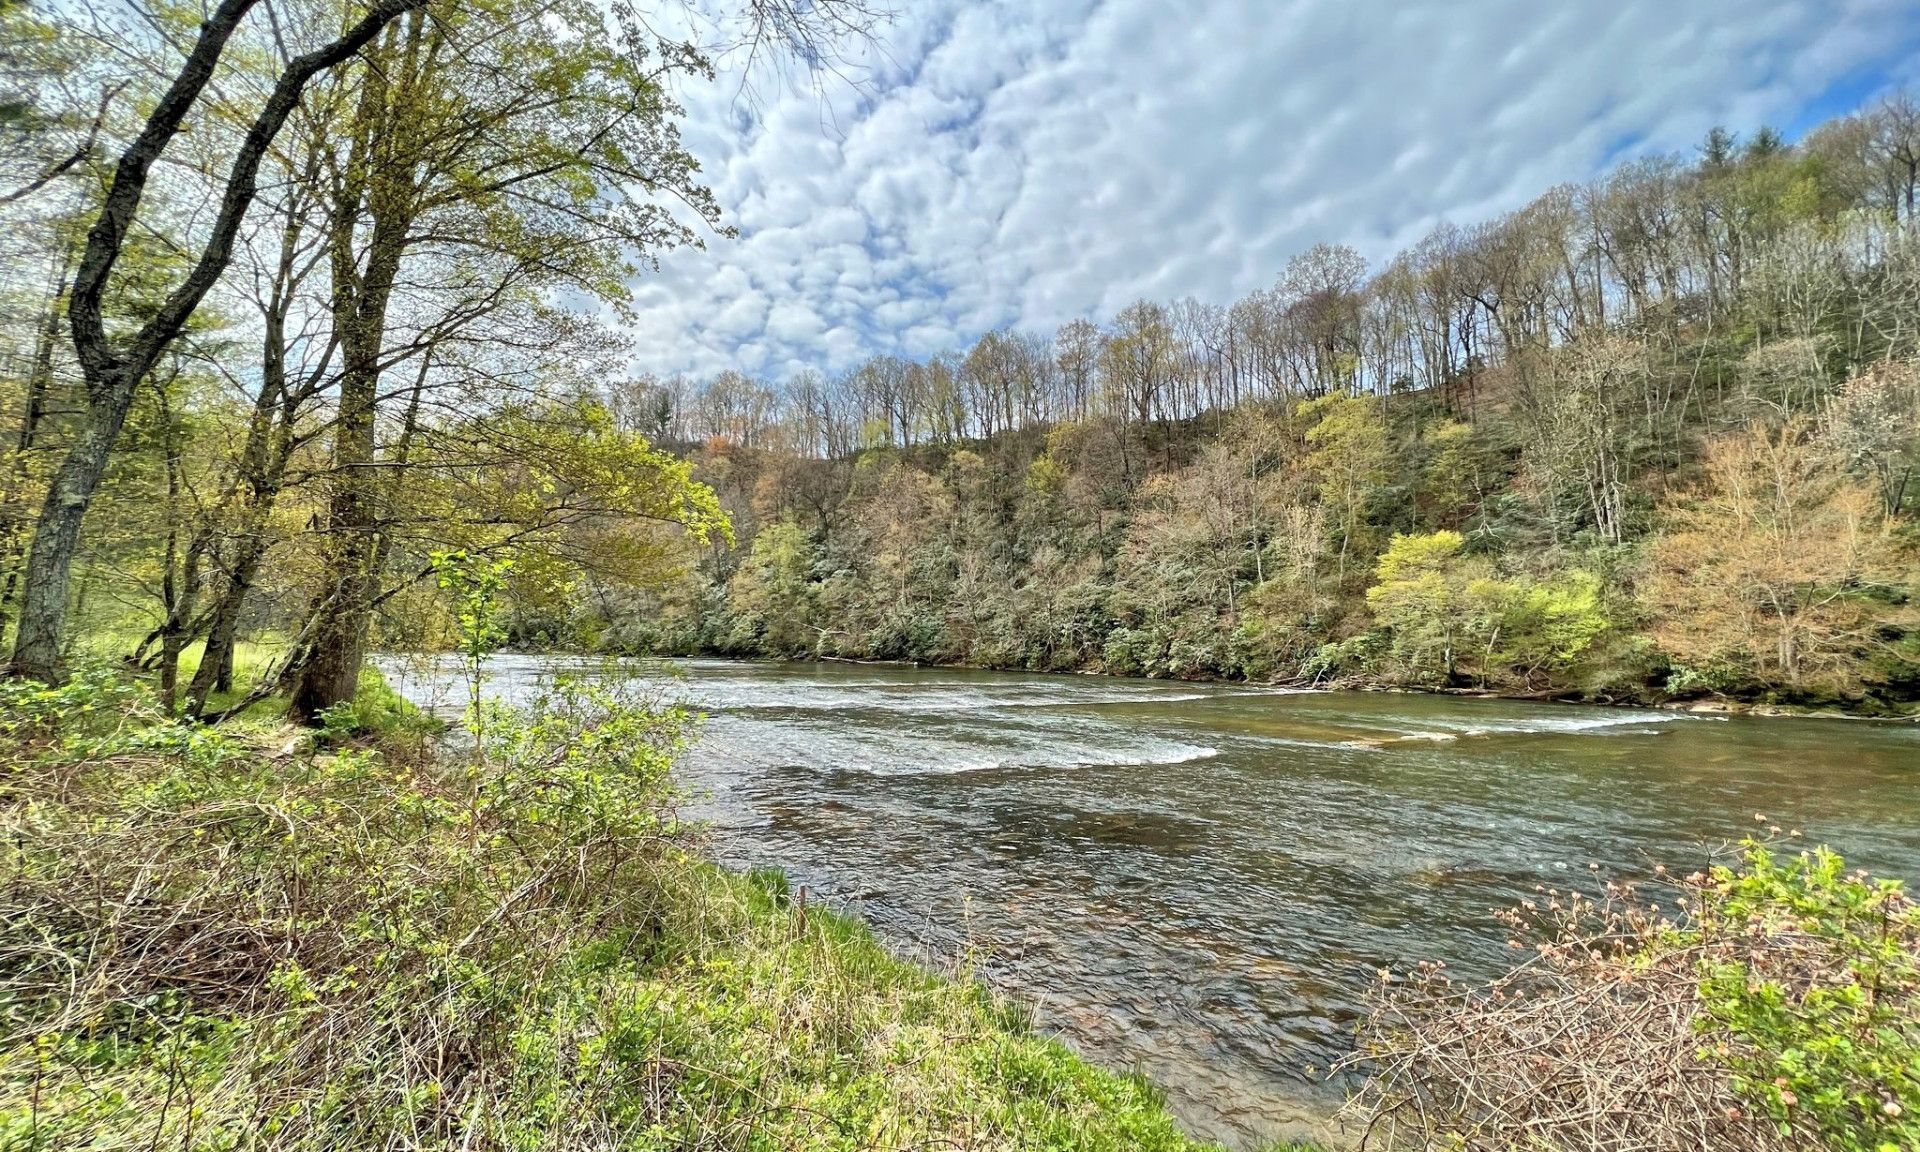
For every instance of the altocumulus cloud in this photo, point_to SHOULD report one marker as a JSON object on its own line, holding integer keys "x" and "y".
{"x": 1032, "y": 161}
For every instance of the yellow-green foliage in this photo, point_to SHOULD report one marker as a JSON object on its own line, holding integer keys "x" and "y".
{"x": 213, "y": 938}
{"x": 1824, "y": 1030}
{"x": 1447, "y": 614}
{"x": 756, "y": 1024}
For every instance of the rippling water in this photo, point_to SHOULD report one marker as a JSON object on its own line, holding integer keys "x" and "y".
{"x": 1196, "y": 881}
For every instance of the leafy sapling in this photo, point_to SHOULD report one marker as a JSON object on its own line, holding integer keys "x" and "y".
{"x": 474, "y": 585}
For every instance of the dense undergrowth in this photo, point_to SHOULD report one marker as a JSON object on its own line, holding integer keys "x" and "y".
{"x": 245, "y": 936}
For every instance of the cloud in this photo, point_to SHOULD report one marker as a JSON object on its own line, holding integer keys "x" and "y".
{"x": 1030, "y": 161}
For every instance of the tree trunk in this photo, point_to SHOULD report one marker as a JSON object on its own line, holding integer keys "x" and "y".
{"x": 56, "y": 537}
{"x": 113, "y": 370}
{"x": 259, "y": 479}
{"x": 39, "y": 381}
{"x": 328, "y": 670}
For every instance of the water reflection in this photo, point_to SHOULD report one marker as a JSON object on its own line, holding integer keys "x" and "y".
{"x": 1195, "y": 881}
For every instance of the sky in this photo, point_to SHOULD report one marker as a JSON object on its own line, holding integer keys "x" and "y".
{"x": 986, "y": 164}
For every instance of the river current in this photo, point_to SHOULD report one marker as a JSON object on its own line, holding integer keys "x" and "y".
{"x": 1198, "y": 881}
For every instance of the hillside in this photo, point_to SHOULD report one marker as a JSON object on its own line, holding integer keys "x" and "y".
{"x": 1646, "y": 439}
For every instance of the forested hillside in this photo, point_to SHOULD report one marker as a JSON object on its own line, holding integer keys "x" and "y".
{"x": 1653, "y": 436}
{"x": 1649, "y": 436}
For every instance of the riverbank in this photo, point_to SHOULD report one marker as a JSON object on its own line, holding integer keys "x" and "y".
{"x": 347, "y": 940}
{"x": 1863, "y": 708}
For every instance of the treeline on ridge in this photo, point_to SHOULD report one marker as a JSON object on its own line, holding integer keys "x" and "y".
{"x": 1653, "y": 436}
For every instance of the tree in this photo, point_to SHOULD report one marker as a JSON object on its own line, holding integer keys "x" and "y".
{"x": 49, "y": 122}
{"x": 1449, "y": 614}
{"x": 1348, "y": 461}
{"x": 1538, "y": 628}
{"x": 772, "y": 595}
{"x": 1576, "y": 445}
{"x": 519, "y": 150}
{"x": 1136, "y": 361}
{"x": 1077, "y": 355}
{"x": 1874, "y": 423}
{"x": 1323, "y": 287}
{"x": 1421, "y": 595}
{"x": 114, "y": 367}
{"x": 1778, "y": 567}
{"x": 1896, "y": 144}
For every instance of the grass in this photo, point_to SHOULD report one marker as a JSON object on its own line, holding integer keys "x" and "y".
{"x": 383, "y": 708}
{"x": 246, "y": 937}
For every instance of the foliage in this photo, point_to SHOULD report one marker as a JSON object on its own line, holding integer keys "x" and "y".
{"x": 771, "y": 598}
{"x": 474, "y": 585}
{"x": 1770, "y": 1003}
{"x": 1448, "y": 614}
{"x": 95, "y": 699}
{"x": 1779, "y": 566}
{"x": 1827, "y": 1034}
{"x": 1348, "y": 463}
{"x": 1423, "y": 599}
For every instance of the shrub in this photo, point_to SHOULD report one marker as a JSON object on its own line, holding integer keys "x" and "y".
{"x": 95, "y": 699}
{"x": 208, "y": 940}
{"x": 1770, "y": 1004}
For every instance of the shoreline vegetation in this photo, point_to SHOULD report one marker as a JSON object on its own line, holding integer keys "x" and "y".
{"x": 1709, "y": 705}
{"x": 259, "y": 935}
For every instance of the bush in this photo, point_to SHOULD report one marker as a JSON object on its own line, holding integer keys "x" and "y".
{"x": 1821, "y": 1026}
{"x": 328, "y": 947}
{"x": 1773, "y": 1004}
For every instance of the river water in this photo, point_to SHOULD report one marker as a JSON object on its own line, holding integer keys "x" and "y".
{"x": 1197, "y": 881}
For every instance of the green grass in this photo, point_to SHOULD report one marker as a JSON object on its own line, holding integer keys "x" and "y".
{"x": 235, "y": 937}
{"x": 379, "y": 708}
{"x": 251, "y": 658}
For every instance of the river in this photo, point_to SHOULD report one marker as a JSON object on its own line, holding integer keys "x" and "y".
{"x": 1197, "y": 881}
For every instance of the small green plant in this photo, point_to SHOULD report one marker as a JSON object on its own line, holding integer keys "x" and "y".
{"x": 341, "y": 722}
{"x": 474, "y": 584}
{"x": 1691, "y": 680}
{"x": 96, "y": 699}
{"x": 1825, "y": 1026}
